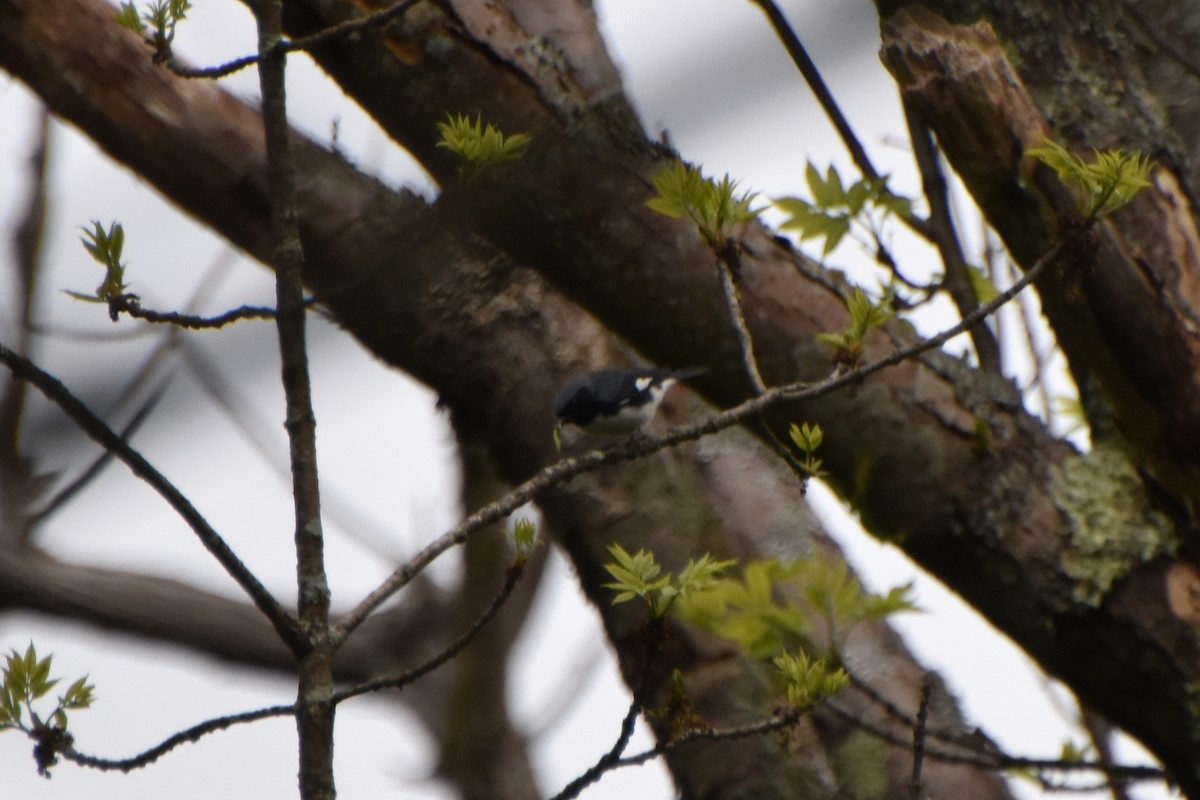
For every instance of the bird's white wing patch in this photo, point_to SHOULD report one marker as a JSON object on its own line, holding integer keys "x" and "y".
{"x": 643, "y": 382}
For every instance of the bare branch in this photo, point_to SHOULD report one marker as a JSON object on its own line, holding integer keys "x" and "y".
{"x": 399, "y": 681}
{"x": 945, "y": 237}
{"x": 96, "y": 429}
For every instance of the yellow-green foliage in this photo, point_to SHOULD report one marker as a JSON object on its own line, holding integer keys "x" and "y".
{"x": 105, "y": 247}
{"x": 1103, "y": 185}
{"x": 809, "y": 680}
{"x": 639, "y": 575}
{"x": 716, "y": 207}
{"x": 776, "y": 606}
{"x": 836, "y": 208}
{"x": 24, "y": 681}
{"x": 478, "y": 146}
{"x": 864, "y": 315}
{"x": 157, "y": 23}
{"x": 1112, "y": 528}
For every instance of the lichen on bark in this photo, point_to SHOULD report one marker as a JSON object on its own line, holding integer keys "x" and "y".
{"x": 1111, "y": 528}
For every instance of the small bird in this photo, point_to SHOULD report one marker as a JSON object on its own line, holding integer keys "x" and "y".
{"x": 614, "y": 402}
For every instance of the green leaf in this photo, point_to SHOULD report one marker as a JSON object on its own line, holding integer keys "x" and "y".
{"x": 127, "y": 17}
{"x": 80, "y": 694}
{"x": 106, "y": 248}
{"x": 702, "y": 575}
{"x": 716, "y": 207}
{"x": 636, "y": 575}
{"x": 1103, "y": 185}
{"x": 809, "y": 681}
{"x": 857, "y": 196}
{"x": 10, "y": 700}
{"x": 865, "y": 314}
{"x": 479, "y": 147}
{"x": 838, "y": 341}
{"x": 807, "y": 437}
{"x": 985, "y": 290}
{"x": 827, "y": 192}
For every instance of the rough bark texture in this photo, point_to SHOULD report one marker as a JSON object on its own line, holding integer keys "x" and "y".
{"x": 1067, "y": 554}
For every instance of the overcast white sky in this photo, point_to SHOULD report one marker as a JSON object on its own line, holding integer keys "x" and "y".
{"x": 687, "y": 64}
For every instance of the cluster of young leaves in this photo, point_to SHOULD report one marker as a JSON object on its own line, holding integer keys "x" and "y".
{"x": 26, "y": 679}
{"x": 775, "y": 605}
{"x": 836, "y": 208}
{"x": 864, "y": 315}
{"x": 1103, "y": 185}
{"x": 809, "y": 680}
{"x": 639, "y": 576}
{"x": 105, "y": 247}
{"x": 156, "y": 24}
{"x": 807, "y": 439}
{"x": 479, "y": 146}
{"x": 716, "y": 207}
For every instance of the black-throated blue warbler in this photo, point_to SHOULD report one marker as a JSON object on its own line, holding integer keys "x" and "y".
{"x": 615, "y": 402}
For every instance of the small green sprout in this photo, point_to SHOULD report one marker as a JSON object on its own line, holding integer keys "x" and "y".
{"x": 25, "y": 680}
{"x": 157, "y": 23}
{"x": 864, "y": 315}
{"x": 716, "y": 207}
{"x": 1104, "y": 185}
{"x": 836, "y": 208}
{"x": 809, "y": 681}
{"x": 807, "y": 439}
{"x": 524, "y": 534}
{"x": 637, "y": 575}
{"x": 105, "y": 247}
{"x": 478, "y": 146}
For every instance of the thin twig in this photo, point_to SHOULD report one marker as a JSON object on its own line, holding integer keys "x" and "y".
{"x": 728, "y": 266}
{"x": 196, "y": 732}
{"x": 399, "y": 681}
{"x": 918, "y": 741}
{"x": 776, "y": 723}
{"x": 192, "y": 734}
{"x": 974, "y": 740}
{"x": 130, "y": 304}
{"x": 314, "y": 667}
{"x": 1038, "y": 380}
{"x": 612, "y": 758}
{"x": 1100, "y": 731}
{"x": 1001, "y": 761}
{"x": 609, "y": 761}
{"x": 304, "y": 44}
{"x": 98, "y": 431}
{"x": 64, "y": 495}
{"x": 733, "y": 304}
{"x": 812, "y": 76}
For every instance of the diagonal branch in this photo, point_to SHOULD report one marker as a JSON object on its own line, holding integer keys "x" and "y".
{"x": 95, "y": 428}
